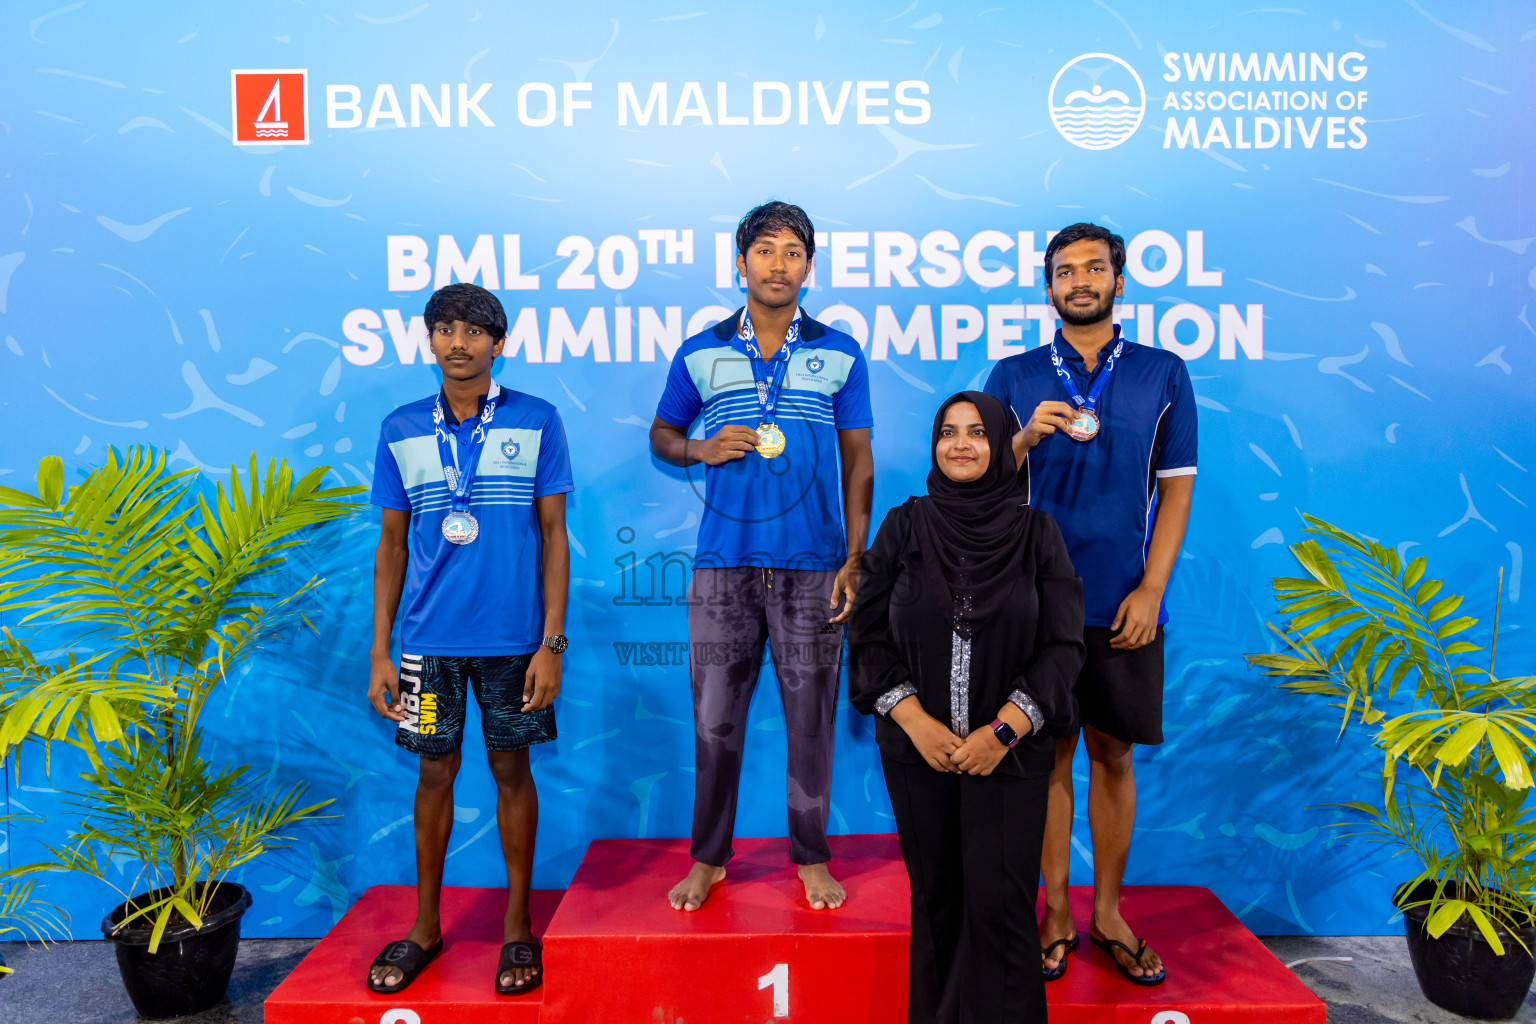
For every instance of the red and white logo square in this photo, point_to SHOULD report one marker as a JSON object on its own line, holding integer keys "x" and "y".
{"x": 271, "y": 108}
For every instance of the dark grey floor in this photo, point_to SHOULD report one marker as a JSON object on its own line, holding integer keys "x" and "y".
{"x": 1375, "y": 986}
{"x": 79, "y": 982}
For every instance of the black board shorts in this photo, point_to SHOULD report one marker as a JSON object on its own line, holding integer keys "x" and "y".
{"x": 435, "y": 690}
{"x": 1120, "y": 693}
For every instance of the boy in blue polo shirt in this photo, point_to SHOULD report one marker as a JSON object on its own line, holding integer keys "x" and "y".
{"x": 1106, "y": 445}
{"x": 473, "y": 561}
{"x": 784, "y": 401}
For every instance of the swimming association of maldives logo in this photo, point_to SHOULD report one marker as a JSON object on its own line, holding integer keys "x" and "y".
{"x": 271, "y": 108}
{"x": 510, "y": 449}
{"x": 1097, "y": 101}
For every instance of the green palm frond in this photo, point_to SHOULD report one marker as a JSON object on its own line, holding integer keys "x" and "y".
{"x": 23, "y": 914}
{"x": 1386, "y": 645}
{"x": 166, "y": 590}
{"x": 76, "y": 702}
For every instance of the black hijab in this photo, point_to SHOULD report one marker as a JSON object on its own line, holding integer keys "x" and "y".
{"x": 972, "y": 534}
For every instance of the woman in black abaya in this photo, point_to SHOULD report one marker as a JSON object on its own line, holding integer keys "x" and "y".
{"x": 964, "y": 642}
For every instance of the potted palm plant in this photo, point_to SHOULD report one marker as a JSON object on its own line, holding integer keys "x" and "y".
{"x": 138, "y": 593}
{"x": 1458, "y": 742}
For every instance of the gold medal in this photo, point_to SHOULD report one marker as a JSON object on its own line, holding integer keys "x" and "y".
{"x": 770, "y": 440}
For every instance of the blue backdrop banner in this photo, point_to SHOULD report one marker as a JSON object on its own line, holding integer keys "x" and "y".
{"x": 219, "y": 226}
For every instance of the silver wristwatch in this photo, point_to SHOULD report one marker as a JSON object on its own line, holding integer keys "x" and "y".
{"x": 556, "y": 643}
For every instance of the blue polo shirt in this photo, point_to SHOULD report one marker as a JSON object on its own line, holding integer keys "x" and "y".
{"x": 785, "y": 512}
{"x": 1102, "y": 493}
{"x": 485, "y": 597}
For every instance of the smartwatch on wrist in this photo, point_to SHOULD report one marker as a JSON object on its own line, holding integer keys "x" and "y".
{"x": 556, "y": 643}
{"x": 1005, "y": 733}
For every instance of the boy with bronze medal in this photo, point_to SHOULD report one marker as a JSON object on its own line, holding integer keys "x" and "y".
{"x": 775, "y": 564}
{"x": 1118, "y": 482}
{"x": 473, "y": 563}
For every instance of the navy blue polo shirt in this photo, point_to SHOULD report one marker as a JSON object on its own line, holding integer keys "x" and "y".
{"x": 1102, "y": 493}
{"x": 785, "y": 512}
{"x": 485, "y": 597}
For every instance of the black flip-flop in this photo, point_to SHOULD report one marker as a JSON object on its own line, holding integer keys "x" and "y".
{"x": 407, "y": 957}
{"x": 1125, "y": 972}
{"x": 1052, "y": 973}
{"x": 515, "y": 955}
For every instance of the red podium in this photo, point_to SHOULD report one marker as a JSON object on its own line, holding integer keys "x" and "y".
{"x": 330, "y": 986}
{"x": 756, "y": 953}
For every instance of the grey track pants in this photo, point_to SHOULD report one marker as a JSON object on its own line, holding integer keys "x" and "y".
{"x": 731, "y": 613}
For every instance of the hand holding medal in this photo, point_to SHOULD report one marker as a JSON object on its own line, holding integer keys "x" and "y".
{"x": 731, "y": 442}
{"x": 1048, "y": 417}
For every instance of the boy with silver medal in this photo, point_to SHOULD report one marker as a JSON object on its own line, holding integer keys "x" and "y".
{"x": 473, "y": 566}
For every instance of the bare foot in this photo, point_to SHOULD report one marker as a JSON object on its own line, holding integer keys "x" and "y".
{"x": 424, "y": 936}
{"x": 822, "y": 891}
{"x": 1055, "y": 925}
{"x": 692, "y": 891}
{"x": 1110, "y": 925}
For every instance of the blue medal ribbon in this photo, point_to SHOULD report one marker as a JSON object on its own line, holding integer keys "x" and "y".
{"x": 768, "y": 374}
{"x": 460, "y": 474}
{"x": 1073, "y": 393}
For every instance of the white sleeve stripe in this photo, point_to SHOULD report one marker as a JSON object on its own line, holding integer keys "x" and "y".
{"x": 1180, "y": 471}
{"x": 1146, "y": 529}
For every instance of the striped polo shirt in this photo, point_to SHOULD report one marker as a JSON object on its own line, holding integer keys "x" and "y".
{"x": 779, "y": 513}
{"x": 485, "y": 597}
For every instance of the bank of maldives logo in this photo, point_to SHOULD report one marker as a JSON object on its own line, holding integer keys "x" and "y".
{"x": 271, "y": 108}
{"x": 1097, "y": 101}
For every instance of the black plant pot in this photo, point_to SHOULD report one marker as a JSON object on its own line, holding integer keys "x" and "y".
{"x": 190, "y": 971}
{"x": 1459, "y": 971}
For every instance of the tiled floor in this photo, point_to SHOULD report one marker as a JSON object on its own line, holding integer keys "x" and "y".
{"x": 79, "y": 982}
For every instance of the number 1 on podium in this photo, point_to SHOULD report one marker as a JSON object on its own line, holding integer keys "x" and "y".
{"x": 779, "y": 979}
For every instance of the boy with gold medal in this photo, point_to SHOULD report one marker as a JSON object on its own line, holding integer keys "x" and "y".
{"x": 775, "y": 563}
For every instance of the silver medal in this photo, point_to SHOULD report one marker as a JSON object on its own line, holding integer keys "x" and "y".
{"x": 460, "y": 528}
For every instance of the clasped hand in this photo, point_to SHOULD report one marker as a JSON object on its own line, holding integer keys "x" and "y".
{"x": 977, "y": 754}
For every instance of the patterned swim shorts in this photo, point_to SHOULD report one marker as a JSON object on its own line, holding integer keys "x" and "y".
{"x": 434, "y": 691}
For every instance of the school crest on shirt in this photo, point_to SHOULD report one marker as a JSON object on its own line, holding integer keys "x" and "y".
{"x": 815, "y": 363}
{"x": 510, "y": 448}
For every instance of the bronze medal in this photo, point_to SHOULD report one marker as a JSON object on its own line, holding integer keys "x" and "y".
{"x": 1085, "y": 427}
